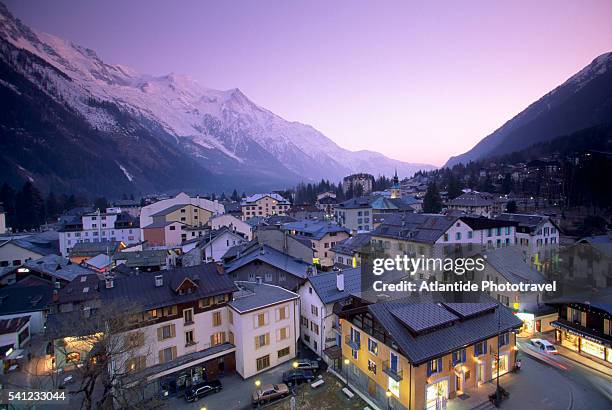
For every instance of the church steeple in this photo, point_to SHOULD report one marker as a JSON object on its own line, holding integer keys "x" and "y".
{"x": 396, "y": 186}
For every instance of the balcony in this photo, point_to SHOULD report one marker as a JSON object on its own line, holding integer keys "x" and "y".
{"x": 337, "y": 328}
{"x": 353, "y": 344}
{"x": 392, "y": 373}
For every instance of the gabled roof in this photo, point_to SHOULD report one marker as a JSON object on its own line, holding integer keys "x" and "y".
{"x": 473, "y": 198}
{"x": 435, "y": 341}
{"x": 510, "y": 263}
{"x": 142, "y": 290}
{"x": 94, "y": 248}
{"x": 352, "y": 244}
{"x": 425, "y": 228}
{"x": 27, "y": 245}
{"x": 480, "y": 223}
{"x": 16, "y": 298}
{"x": 100, "y": 261}
{"x": 173, "y": 208}
{"x": 531, "y": 222}
{"x": 252, "y": 296}
{"x": 256, "y": 197}
{"x": 271, "y": 256}
{"x": 162, "y": 224}
{"x": 325, "y": 285}
{"x": 313, "y": 229}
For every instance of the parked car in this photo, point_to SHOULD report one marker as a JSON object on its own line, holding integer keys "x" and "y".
{"x": 200, "y": 390}
{"x": 306, "y": 364}
{"x": 269, "y": 392}
{"x": 298, "y": 377}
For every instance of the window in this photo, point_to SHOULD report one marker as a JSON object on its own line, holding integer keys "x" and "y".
{"x": 458, "y": 356}
{"x": 263, "y": 362}
{"x": 504, "y": 339}
{"x": 262, "y": 340}
{"x": 260, "y": 320}
{"x": 166, "y": 332}
{"x": 314, "y": 310}
{"x": 189, "y": 340}
{"x": 314, "y": 327}
{"x": 284, "y": 352}
{"x": 434, "y": 366}
{"x": 216, "y": 319}
{"x": 445, "y": 237}
{"x": 354, "y": 353}
{"x": 268, "y": 277}
{"x": 372, "y": 366}
{"x": 282, "y": 313}
{"x": 230, "y": 317}
{"x": 203, "y": 303}
{"x": 480, "y": 348}
{"x": 282, "y": 333}
{"x": 168, "y": 354}
{"x": 217, "y": 339}
{"x": 470, "y": 234}
{"x": 231, "y": 337}
{"x": 372, "y": 346}
{"x": 172, "y": 228}
{"x": 188, "y": 316}
{"x": 136, "y": 363}
{"x": 458, "y": 236}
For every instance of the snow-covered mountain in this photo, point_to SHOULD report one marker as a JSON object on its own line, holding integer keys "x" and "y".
{"x": 583, "y": 101}
{"x": 222, "y": 136}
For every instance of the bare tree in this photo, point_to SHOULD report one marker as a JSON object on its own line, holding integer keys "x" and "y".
{"x": 102, "y": 351}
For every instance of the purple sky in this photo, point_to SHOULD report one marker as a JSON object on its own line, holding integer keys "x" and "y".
{"x": 416, "y": 82}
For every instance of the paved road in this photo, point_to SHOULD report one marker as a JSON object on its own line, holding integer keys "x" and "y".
{"x": 589, "y": 388}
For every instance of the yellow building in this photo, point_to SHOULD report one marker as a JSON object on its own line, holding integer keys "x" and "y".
{"x": 186, "y": 213}
{"x": 437, "y": 352}
{"x": 264, "y": 205}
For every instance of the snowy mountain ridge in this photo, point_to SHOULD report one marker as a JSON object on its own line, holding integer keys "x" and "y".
{"x": 220, "y": 129}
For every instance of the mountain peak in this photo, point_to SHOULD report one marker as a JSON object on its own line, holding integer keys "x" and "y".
{"x": 581, "y": 102}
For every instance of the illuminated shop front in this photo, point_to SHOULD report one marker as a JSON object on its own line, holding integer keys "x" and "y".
{"x": 592, "y": 348}
{"x": 437, "y": 393}
{"x": 503, "y": 365}
{"x": 528, "y": 323}
{"x": 586, "y": 344}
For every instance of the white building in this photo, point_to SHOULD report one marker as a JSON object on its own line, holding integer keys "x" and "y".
{"x": 319, "y": 326}
{"x": 113, "y": 225}
{"x": 235, "y": 224}
{"x": 537, "y": 234}
{"x": 264, "y": 326}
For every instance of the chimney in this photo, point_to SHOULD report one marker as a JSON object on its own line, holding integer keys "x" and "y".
{"x": 159, "y": 281}
{"x": 340, "y": 281}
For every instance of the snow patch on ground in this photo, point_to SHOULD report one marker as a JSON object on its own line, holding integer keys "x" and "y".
{"x": 129, "y": 176}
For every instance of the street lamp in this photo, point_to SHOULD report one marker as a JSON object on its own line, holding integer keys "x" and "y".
{"x": 346, "y": 364}
{"x": 257, "y": 384}
{"x": 295, "y": 366}
{"x": 388, "y": 394}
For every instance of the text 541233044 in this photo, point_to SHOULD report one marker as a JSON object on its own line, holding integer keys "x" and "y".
{"x": 13, "y": 396}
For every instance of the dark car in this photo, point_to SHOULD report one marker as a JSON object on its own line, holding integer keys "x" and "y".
{"x": 200, "y": 390}
{"x": 306, "y": 364}
{"x": 298, "y": 377}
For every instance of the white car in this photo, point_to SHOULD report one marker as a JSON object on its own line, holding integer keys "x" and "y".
{"x": 544, "y": 346}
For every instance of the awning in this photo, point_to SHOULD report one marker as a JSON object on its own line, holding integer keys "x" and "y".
{"x": 581, "y": 331}
{"x": 334, "y": 352}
